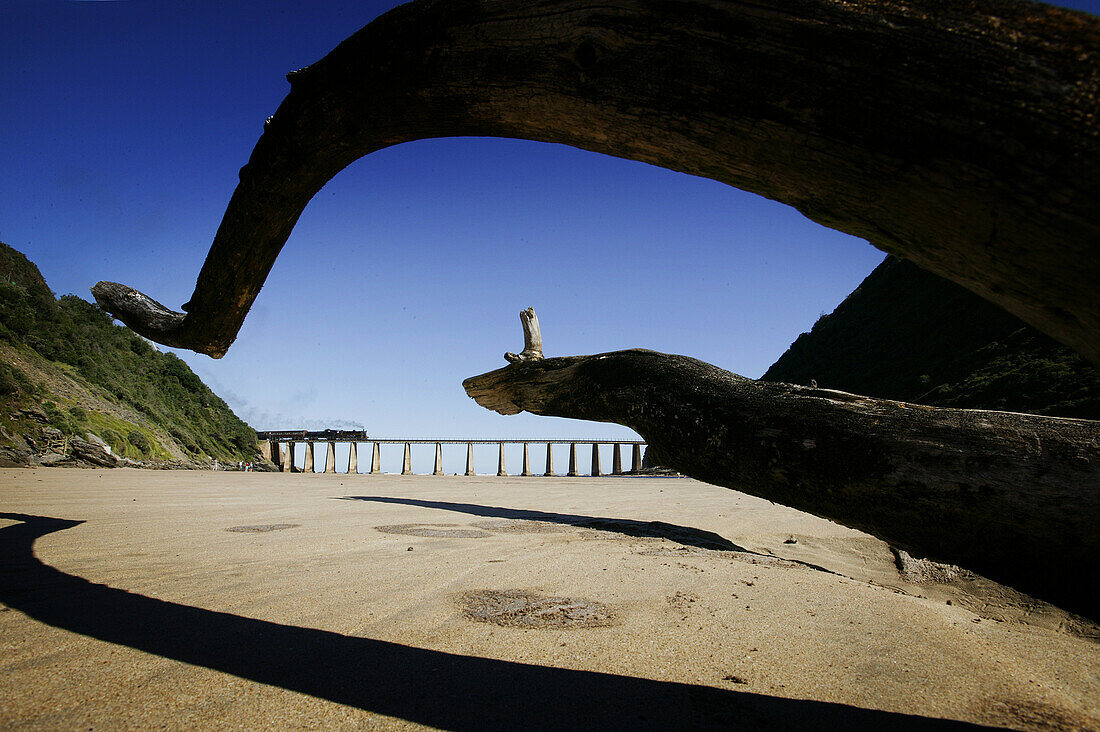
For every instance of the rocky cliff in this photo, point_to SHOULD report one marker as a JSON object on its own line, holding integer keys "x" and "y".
{"x": 909, "y": 335}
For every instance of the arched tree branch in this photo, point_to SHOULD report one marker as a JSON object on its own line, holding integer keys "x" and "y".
{"x": 961, "y": 136}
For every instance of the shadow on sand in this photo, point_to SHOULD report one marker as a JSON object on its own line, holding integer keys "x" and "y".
{"x": 433, "y": 688}
{"x": 685, "y": 535}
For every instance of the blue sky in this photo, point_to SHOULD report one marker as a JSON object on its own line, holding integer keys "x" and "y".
{"x": 123, "y": 125}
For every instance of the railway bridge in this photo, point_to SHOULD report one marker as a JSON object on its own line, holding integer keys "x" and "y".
{"x": 279, "y": 447}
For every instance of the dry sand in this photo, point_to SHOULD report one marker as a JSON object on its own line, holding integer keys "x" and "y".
{"x": 184, "y": 600}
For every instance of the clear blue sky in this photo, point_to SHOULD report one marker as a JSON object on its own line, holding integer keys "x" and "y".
{"x": 123, "y": 125}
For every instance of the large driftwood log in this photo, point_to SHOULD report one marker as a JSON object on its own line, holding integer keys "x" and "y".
{"x": 1014, "y": 497}
{"x": 959, "y": 135}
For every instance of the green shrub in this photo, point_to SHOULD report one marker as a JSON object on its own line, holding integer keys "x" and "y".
{"x": 12, "y": 380}
{"x": 140, "y": 441}
{"x": 60, "y": 420}
{"x": 245, "y": 442}
{"x": 112, "y": 438}
{"x": 78, "y": 413}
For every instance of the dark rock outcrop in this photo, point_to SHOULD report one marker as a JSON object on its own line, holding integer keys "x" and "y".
{"x": 90, "y": 452}
{"x": 909, "y": 335}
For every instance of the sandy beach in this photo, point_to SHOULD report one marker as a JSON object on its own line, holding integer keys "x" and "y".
{"x": 197, "y": 600}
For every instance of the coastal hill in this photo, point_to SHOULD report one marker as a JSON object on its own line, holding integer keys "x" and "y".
{"x": 909, "y": 335}
{"x": 71, "y": 379}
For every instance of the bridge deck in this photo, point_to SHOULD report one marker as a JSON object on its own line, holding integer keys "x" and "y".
{"x": 304, "y": 436}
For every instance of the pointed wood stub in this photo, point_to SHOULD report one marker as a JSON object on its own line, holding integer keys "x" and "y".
{"x": 532, "y": 339}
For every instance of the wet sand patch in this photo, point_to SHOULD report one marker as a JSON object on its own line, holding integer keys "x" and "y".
{"x": 448, "y": 531}
{"x": 526, "y": 609}
{"x": 261, "y": 528}
{"x": 511, "y": 526}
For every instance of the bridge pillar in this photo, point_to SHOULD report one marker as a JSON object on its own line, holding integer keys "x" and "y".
{"x": 500, "y": 461}
{"x": 572, "y": 460}
{"x": 330, "y": 458}
{"x": 617, "y": 460}
{"x": 596, "y": 460}
{"x": 438, "y": 460}
{"x": 376, "y": 460}
{"x": 308, "y": 467}
{"x": 526, "y": 463}
{"x": 407, "y": 465}
{"x": 636, "y": 458}
{"x": 549, "y": 458}
{"x": 353, "y": 458}
{"x": 470, "y": 459}
{"x": 288, "y": 458}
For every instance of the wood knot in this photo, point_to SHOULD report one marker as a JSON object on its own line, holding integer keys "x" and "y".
{"x": 586, "y": 55}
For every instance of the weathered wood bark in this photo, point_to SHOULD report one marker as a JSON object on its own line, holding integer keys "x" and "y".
{"x": 1014, "y": 497}
{"x": 959, "y": 135}
{"x": 532, "y": 338}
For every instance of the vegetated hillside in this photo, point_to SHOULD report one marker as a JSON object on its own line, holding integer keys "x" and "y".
{"x": 910, "y": 335}
{"x": 65, "y": 366}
